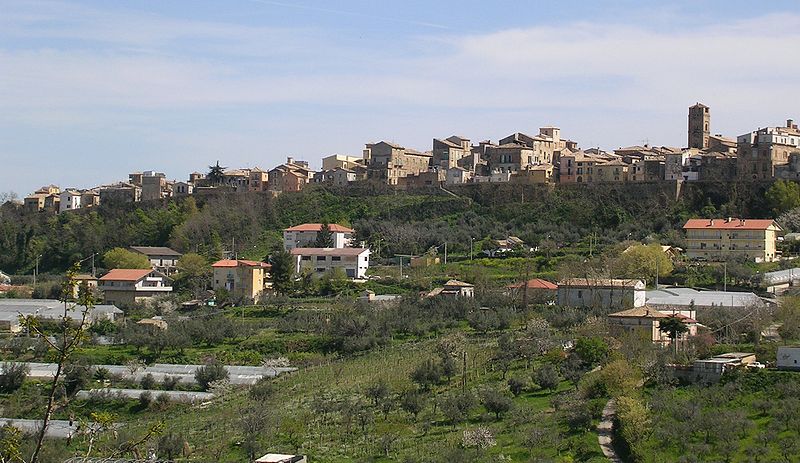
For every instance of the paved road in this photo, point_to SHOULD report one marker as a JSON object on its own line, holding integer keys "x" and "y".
{"x": 185, "y": 373}
{"x": 187, "y": 397}
{"x": 56, "y": 428}
{"x": 605, "y": 432}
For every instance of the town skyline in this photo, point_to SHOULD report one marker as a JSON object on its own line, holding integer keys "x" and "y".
{"x": 155, "y": 87}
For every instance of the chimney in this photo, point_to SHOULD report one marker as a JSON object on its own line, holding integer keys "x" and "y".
{"x": 728, "y": 220}
{"x": 289, "y": 160}
{"x": 789, "y": 123}
{"x": 711, "y": 223}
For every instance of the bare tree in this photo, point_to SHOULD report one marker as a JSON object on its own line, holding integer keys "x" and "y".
{"x": 71, "y": 333}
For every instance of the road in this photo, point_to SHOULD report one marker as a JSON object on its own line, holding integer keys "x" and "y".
{"x": 56, "y": 428}
{"x": 605, "y": 432}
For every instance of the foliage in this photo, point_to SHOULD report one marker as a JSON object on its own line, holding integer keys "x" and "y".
{"x": 207, "y": 374}
{"x": 496, "y": 402}
{"x": 546, "y": 376}
{"x": 123, "y": 258}
{"x": 282, "y": 270}
{"x": 642, "y": 261}
{"x": 591, "y": 350}
{"x": 783, "y": 196}
{"x": 324, "y": 237}
{"x": 13, "y": 376}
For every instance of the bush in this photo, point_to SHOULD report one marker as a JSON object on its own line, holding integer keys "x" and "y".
{"x": 170, "y": 383}
{"x": 162, "y": 401}
{"x": 13, "y": 376}
{"x": 145, "y": 399}
{"x": 547, "y": 377}
{"x": 207, "y": 374}
{"x": 147, "y": 381}
{"x": 496, "y": 402}
{"x": 516, "y": 386}
{"x": 76, "y": 377}
{"x": 102, "y": 374}
{"x": 262, "y": 390}
{"x": 427, "y": 374}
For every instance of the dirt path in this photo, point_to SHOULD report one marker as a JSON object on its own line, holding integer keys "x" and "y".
{"x": 605, "y": 432}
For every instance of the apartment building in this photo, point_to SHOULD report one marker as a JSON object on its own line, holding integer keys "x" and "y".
{"x": 243, "y": 279}
{"x": 447, "y": 153}
{"x": 388, "y": 162}
{"x": 722, "y": 239}
{"x": 305, "y": 235}
{"x": 761, "y": 152}
{"x": 354, "y": 262}
{"x": 128, "y": 286}
{"x": 69, "y": 200}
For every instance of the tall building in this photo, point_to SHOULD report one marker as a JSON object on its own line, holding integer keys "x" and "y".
{"x": 763, "y": 151}
{"x": 699, "y": 126}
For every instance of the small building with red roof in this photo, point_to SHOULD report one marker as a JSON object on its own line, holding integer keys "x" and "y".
{"x": 305, "y": 235}
{"x": 244, "y": 280}
{"x": 535, "y": 290}
{"x": 722, "y": 239}
{"x": 125, "y": 287}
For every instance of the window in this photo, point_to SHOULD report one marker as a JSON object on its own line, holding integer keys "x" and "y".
{"x": 320, "y": 258}
{"x": 306, "y": 257}
{"x": 336, "y": 258}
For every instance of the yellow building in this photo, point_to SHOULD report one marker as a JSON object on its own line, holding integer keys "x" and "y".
{"x": 721, "y": 239}
{"x": 243, "y": 279}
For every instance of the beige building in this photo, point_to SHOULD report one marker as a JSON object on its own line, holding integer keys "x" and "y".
{"x": 646, "y": 322}
{"x": 389, "y": 162}
{"x": 722, "y": 239}
{"x": 259, "y": 179}
{"x": 243, "y": 279}
{"x": 449, "y": 152}
{"x": 129, "y": 286}
{"x": 601, "y": 293}
{"x": 699, "y": 126}
{"x": 340, "y": 161}
{"x": 761, "y": 152}
{"x": 354, "y": 262}
{"x": 454, "y": 288}
{"x": 38, "y": 200}
{"x": 611, "y": 171}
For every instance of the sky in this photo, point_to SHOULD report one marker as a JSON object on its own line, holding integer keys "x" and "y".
{"x": 93, "y": 90}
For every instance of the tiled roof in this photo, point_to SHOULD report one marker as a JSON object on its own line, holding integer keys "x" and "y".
{"x": 536, "y": 283}
{"x": 226, "y": 263}
{"x": 458, "y": 283}
{"x": 732, "y": 224}
{"x": 640, "y": 312}
{"x": 328, "y": 251}
{"x": 156, "y": 251}
{"x": 126, "y": 274}
{"x": 599, "y": 282}
{"x": 336, "y": 228}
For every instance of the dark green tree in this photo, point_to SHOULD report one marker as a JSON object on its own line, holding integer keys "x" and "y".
{"x": 673, "y": 327}
{"x": 546, "y": 377}
{"x": 282, "y": 271}
{"x": 215, "y": 174}
{"x": 324, "y": 236}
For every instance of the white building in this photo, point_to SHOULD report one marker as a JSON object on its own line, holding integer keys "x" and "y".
{"x": 353, "y": 261}
{"x": 129, "y": 286}
{"x": 601, "y": 293}
{"x": 306, "y": 235}
{"x": 69, "y": 200}
{"x": 458, "y": 176}
{"x": 788, "y": 358}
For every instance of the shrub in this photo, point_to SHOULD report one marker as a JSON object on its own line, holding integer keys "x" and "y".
{"x": 262, "y": 390}
{"x": 145, "y": 399}
{"x": 170, "y": 383}
{"x": 101, "y": 374}
{"x": 76, "y": 377}
{"x": 147, "y": 381}
{"x": 496, "y": 402}
{"x": 547, "y": 377}
{"x": 516, "y": 386}
{"x": 209, "y": 373}
{"x": 13, "y": 376}
{"x": 427, "y": 374}
{"x": 162, "y": 401}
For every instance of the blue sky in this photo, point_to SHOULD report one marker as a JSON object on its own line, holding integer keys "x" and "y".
{"x": 92, "y": 90}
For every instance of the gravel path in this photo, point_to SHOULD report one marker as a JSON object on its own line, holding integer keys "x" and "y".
{"x": 605, "y": 432}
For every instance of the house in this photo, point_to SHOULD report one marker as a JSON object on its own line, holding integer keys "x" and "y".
{"x": 130, "y": 286}
{"x": 340, "y": 161}
{"x": 280, "y": 458}
{"x": 454, "y": 288}
{"x": 49, "y": 309}
{"x": 458, "y": 176}
{"x": 353, "y": 261}
{"x": 69, "y": 200}
{"x": 5, "y": 278}
{"x": 163, "y": 259}
{"x": 389, "y": 162}
{"x": 723, "y": 239}
{"x": 501, "y": 247}
{"x": 36, "y": 201}
{"x": 154, "y": 185}
{"x": 646, "y": 322}
{"x": 243, "y": 279}
{"x": 604, "y": 293}
{"x": 788, "y": 358}
{"x": 182, "y": 189}
{"x": 156, "y": 322}
{"x": 371, "y": 297}
{"x": 682, "y": 299}
{"x": 534, "y": 175}
{"x": 448, "y": 153}
{"x": 762, "y": 151}
{"x": 711, "y": 370}
{"x": 81, "y": 280}
{"x": 291, "y": 176}
{"x": 120, "y": 193}
{"x": 259, "y": 179}
{"x": 305, "y": 235}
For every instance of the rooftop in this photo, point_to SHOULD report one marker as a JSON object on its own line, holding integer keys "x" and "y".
{"x": 536, "y": 283}
{"x": 730, "y": 224}
{"x": 334, "y": 227}
{"x": 229, "y": 263}
{"x": 457, "y": 283}
{"x": 156, "y": 251}
{"x": 126, "y": 274}
{"x": 328, "y": 251}
{"x": 689, "y": 296}
{"x": 639, "y": 312}
{"x": 601, "y": 282}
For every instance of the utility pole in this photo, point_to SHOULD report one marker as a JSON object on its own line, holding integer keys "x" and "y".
{"x": 94, "y": 270}
{"x": 36, "y": 271}
{"x": 657, "y": 271}
{"x": 725, "y": 277}
{"x": 445, "y": 253}
{"x": 470, "y": 247}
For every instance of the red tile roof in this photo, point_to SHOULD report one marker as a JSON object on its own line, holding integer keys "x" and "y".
{"x": 236, "y": 263}
{"x": 536, "y": 283}
{"x": 732, "y": 224}
{"x": 336, "y": 228}
{"x": 126, "y": 274}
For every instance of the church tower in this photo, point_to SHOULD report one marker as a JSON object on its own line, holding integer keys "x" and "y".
{"x": 699, "y": 126}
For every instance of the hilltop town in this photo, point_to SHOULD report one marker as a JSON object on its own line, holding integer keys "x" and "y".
{"x": 546, "y": 158}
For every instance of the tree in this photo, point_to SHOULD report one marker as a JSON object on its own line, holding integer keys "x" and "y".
{"x": 13, "y": 376}
{"x": 634, "y": 424}
{"x": 282, "y": 270}
{"x": 591, "y": 351}
{"x": 324, "y": 236}
{"x": 71, "y": 334}
{"x": 546, "y": 377}
{"x": 123, "y": 258}
{"x": 456, "y": 406}
{"x": 207, "y": 374}
{"x": 673, "y": 327}
{"x": 194, "y": 273}
{"x": 782, "y": 196}
{"x": 642, "y": 260}
{"x": 412, "y": 402}
{"x": 427, "y": 374}
{"x": 378, "y": 391}
{"x": 516, "y": 386}
{"x": 479, "y": 438}
{"x": 496, "y": 402}
{"x": 216, "y": 173}
{"x": 572, "y": 369}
